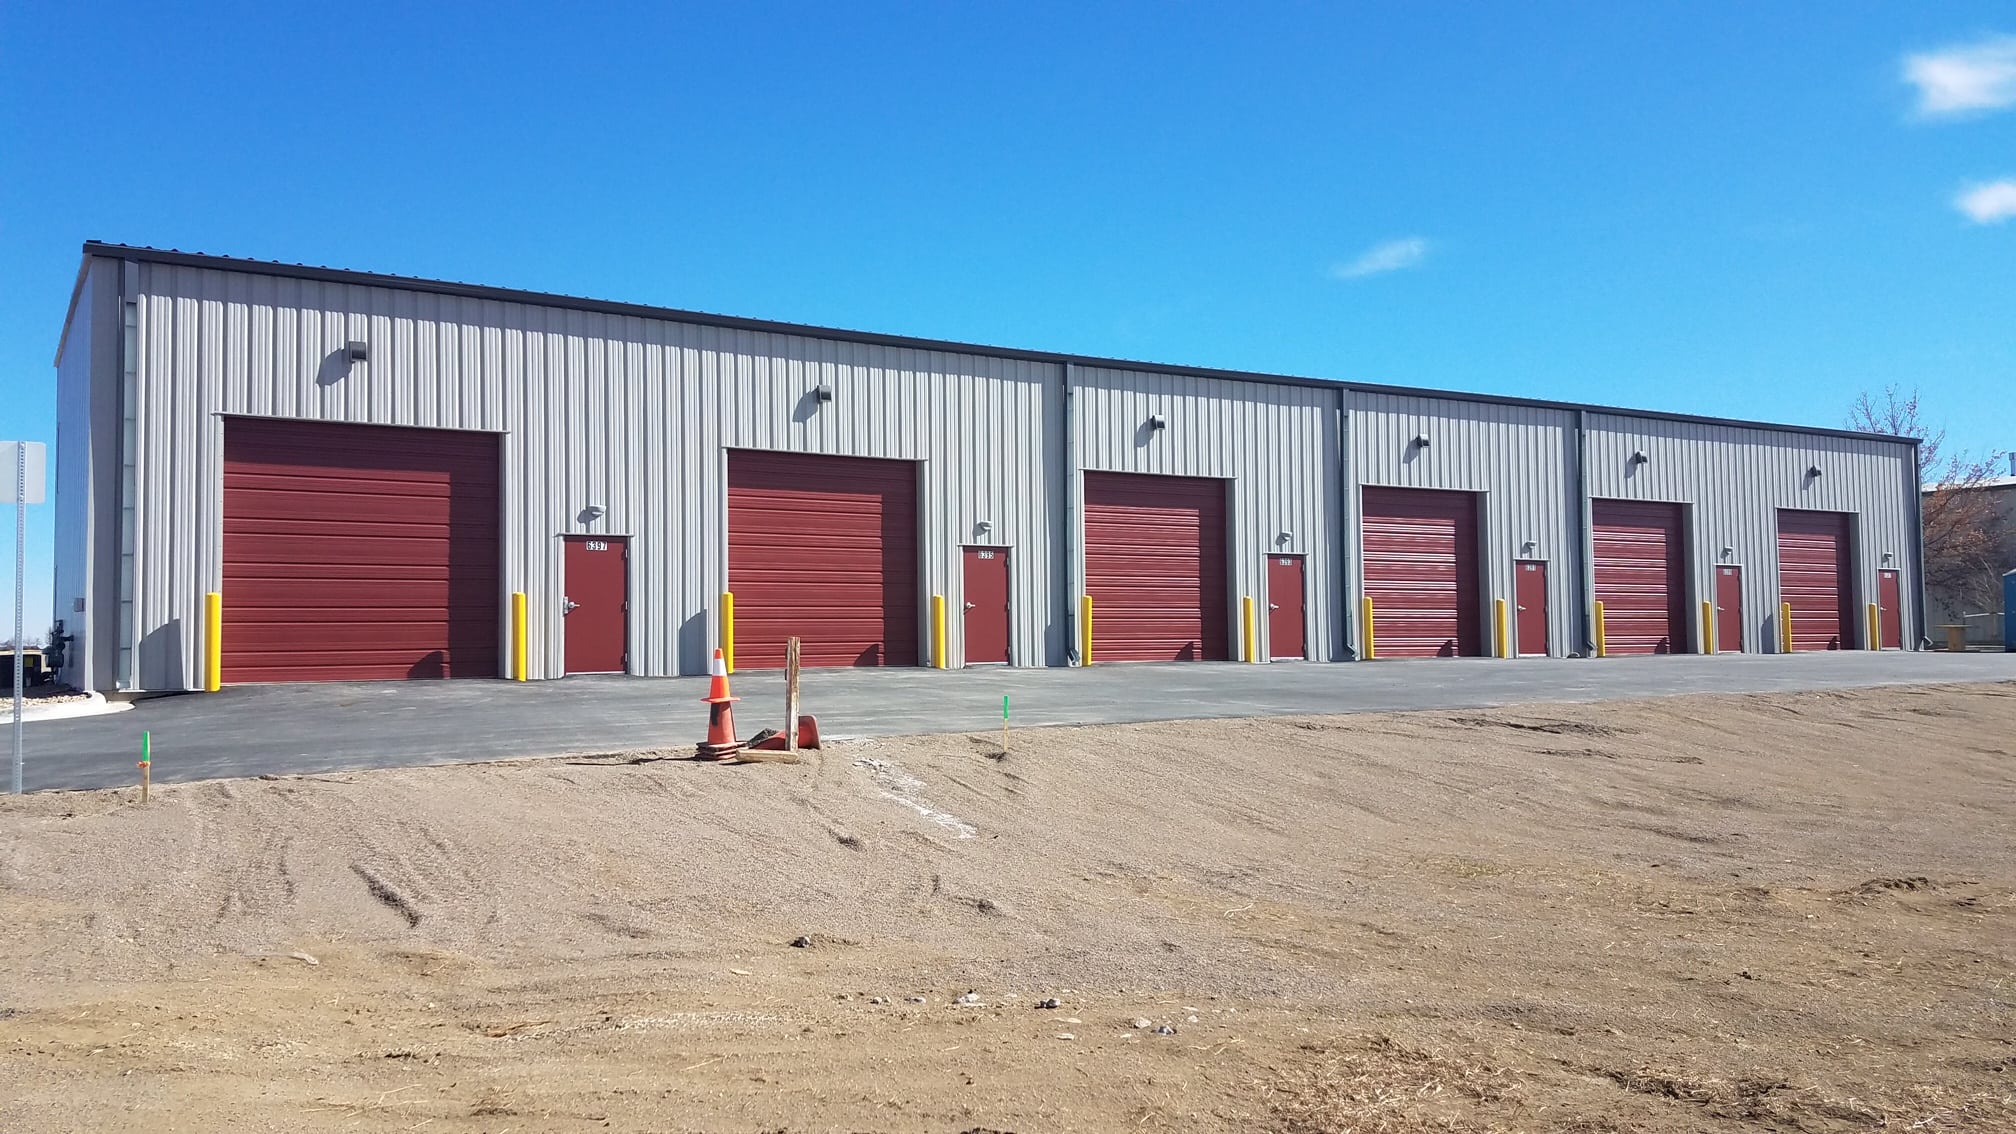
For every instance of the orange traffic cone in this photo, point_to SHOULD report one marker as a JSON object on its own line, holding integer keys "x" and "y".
{"x": 720, "y": 743}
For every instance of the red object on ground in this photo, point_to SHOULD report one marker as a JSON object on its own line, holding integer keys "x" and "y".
{"x": 720, "y": 743}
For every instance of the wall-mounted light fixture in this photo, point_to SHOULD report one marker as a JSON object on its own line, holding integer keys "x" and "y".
{"x": 983, "y": 526}
{"x": 594, "y": 512}
{"x": 823, "y": 393}
{"x": 1420, "y": 441}
{"x": 1813, "y": 471}
{"x": 1639, "y": 458}
{"x": 1728, "y": 552}
{"x": 1889, "y": 557}
{"x": 1156, "y": 422}
{"x": 1286, "y": 536}
{"x": 1526, "y": 547}
{"x": 357, "y": 350}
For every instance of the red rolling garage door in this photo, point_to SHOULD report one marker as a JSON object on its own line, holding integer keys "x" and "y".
{"x": 1813, "y": 577}
{"x": 1155, "y": 567}
{"x": 359, "y": 552}
{"x": 823, "y": 549}
{"x": 1640, "y": 575}
{"x": 1421, "y": 573}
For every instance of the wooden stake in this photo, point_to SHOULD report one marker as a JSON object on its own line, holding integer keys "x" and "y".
{"x": 791, "y": 695}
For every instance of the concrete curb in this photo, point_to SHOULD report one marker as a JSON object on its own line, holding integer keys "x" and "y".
{"x": 92, "y": 705}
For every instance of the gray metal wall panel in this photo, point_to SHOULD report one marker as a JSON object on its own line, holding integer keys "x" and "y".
{"x": 87, "y": 469}
{"x": 1276, "y": 444}
{"x": 1735, "y": 480}
{"x": 619, "y": 411}
{"x": 1521, "y": 458}
{"x": 636, "y": 414}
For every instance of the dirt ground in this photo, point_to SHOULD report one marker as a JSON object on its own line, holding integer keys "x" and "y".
{"x": 1784, "y": 912}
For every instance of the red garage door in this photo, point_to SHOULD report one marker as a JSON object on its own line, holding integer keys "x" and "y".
{"x": 359, "y": 552}
{"x": 1813, "y": 577}
{"x": 1421, "y": 573}
{"x": 823, "y": 549}
{"x": 1155, "y": 567}
{"x": 1640, "y": 576}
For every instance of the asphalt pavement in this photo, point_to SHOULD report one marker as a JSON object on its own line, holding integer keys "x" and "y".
{"x": 289, "y": 729}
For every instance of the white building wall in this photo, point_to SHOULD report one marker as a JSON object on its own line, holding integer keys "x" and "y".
{"x": 1735, "y": 480}
{"x": 1276, "y": 445}
{"x": 635, "y": 413}
{"x": 1520, "y": 459}
{"x": 628, "y": 413}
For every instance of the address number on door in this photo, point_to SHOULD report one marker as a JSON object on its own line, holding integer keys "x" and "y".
{"x": 595, "y": 544}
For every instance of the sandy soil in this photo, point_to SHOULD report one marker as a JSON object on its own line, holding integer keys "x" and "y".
{"x": 1788, "y": 912}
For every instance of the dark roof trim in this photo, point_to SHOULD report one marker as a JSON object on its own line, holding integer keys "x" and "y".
{"x": 672, "y": 314}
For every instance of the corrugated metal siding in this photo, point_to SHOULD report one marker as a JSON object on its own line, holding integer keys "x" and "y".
{"x": 1813, "y": 569}
{"x": 1155, "y": 566}
{"x": 76, "y": 471}
{"x": 1277, "y": 445}
{"x": 635, "y": 414}
{"x": 823, "y": 549}
{"x": 1735, "y": 480}
{"x": 1640, "y": 575}
{"x": 1421, "y": 572}
{"x": 1521, "y": 459}
{"x": 359, "y": 552}
{"x": 627, "y": 413}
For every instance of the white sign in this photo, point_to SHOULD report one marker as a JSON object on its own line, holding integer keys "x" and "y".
{"x": 10, "y": 454}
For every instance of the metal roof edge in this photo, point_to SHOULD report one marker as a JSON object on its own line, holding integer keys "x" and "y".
{"x": 871, "y": 338}
{"x": 70, "y": 313}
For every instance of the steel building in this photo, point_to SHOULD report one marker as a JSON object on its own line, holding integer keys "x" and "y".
{"x": 367, "y": 473}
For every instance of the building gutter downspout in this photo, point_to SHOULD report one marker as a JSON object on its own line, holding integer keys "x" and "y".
{"x": 1585, "y": 558}
{"x": 1345, "y": 549}
{"x": 1917, "y": 485}
{"x": 1072, "y": 527}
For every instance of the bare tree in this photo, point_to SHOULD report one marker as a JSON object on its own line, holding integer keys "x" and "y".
{"x": 1968, "y": 540}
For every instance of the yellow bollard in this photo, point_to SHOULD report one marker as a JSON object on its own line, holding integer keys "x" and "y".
{"x": 1602, "y": 643}
{"x": 1504, "y": 616}
{"x": 1784, "y": 627}
{"x": 1708, "y": 643}
{"x": 1371, "y": 640}
{"x": 519, "y": 648}
{"x": 1875, "y": 638}
{"x": 213, "y": 642}
{"x": 1085, "y": 630}
{"x": 728, "y": 630}
{"x": 1252, "y": 632}
{"x": 938, "y": 631}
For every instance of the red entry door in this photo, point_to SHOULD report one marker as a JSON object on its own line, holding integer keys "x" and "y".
{"x": 1728, "y": 610}
{"x": 1529, "y": 593}
{"x": 1285, "y": 587}
{"x": 596, "y": 606}
{"x": 986, "y": 617}
{"x": 1890, "y": 610}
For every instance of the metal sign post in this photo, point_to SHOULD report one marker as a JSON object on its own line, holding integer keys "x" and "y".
{"x": 27, "y": 457}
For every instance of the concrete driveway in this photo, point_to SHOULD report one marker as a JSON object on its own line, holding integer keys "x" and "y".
{"x": 259, "y": 729}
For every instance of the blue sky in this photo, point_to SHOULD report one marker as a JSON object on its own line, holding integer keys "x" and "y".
{"x": 1748, "y": 210}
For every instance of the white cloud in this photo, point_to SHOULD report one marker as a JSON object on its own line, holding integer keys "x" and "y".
{"x": 1989, "y": 203}
{"x": 1387, "y": 256}
{"x": 1962, "y": 80}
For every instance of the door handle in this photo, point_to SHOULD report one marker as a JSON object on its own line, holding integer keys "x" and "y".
{"x": 567, "y": 605}
{"x": 969, "y": 606}
{"x": 1271, "y": 606}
